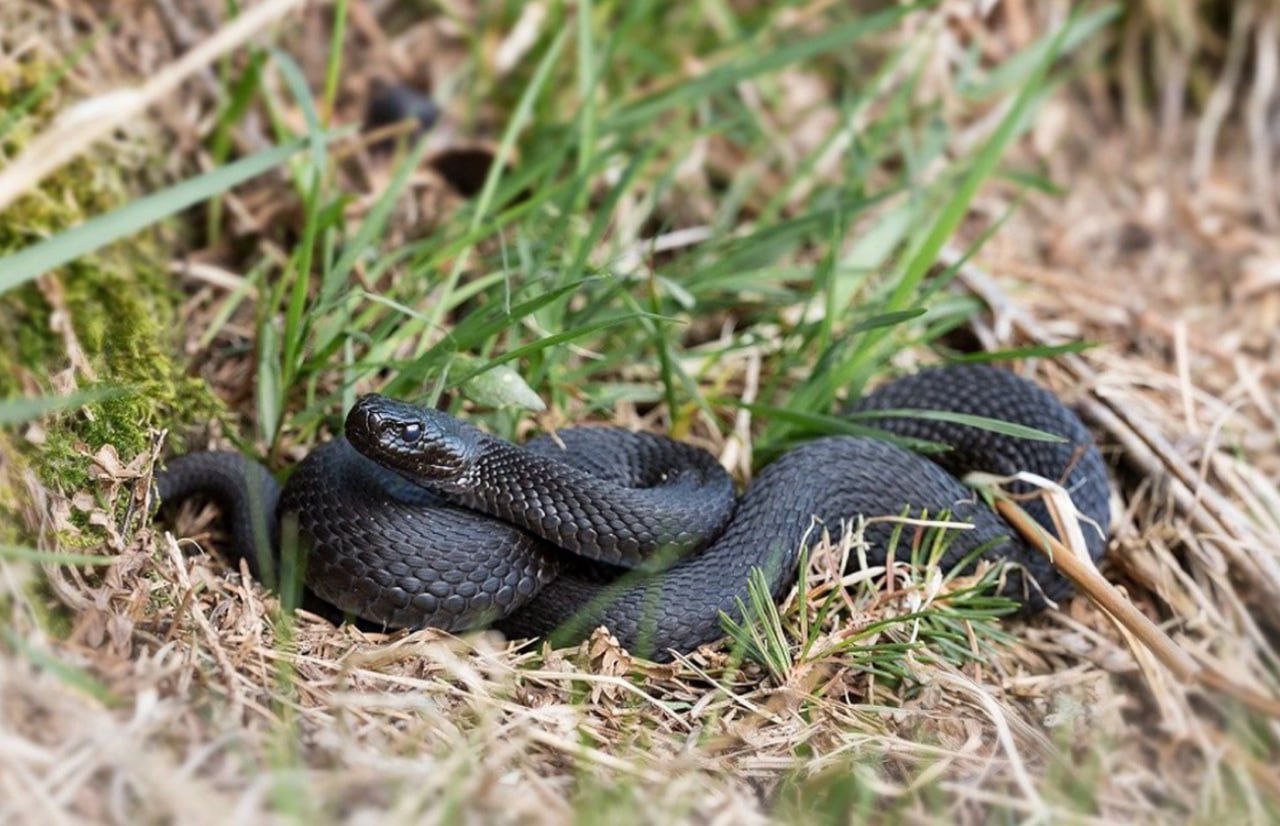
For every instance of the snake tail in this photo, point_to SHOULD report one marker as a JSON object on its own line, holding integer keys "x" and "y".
{"x": 245, "y": 492}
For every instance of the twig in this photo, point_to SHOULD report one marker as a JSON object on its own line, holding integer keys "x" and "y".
{"x": 1261, "y": 98}
{"x": 202, "y": 622}
{"x": 213, "y": 275}
{"x": 1215, "y": 111}
{"x": 1109, "y": 598}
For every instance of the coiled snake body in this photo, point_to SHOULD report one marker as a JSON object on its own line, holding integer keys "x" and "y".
{"x": 417, "y": 519}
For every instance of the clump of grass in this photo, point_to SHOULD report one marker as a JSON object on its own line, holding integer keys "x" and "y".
{"x": 544, "y": 265}
{"x": 876, "y": 621}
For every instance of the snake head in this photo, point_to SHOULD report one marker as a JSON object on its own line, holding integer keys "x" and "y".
{"x": 419, "y": 443}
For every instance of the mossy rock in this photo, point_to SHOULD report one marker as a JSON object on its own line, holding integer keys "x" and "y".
{"x": 120, "y": 306}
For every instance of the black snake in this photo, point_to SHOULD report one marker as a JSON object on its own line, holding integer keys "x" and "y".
{"x": 418, "y": 519}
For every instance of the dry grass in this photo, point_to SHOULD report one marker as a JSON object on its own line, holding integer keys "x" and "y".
{"x": 176, "y": 691}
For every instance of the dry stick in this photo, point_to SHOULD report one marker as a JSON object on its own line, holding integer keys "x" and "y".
{"x": 1261, "y": 98}
{"x": 1215, "y": 111}
{"x": 1106, "y": 595}
{"x": 92, "y": 119}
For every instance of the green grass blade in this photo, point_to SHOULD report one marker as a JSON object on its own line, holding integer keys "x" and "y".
{"x": 882, "y": 320}
{"x": 312, "y": 188}
{"x": 18, "y": 410}
{"x": 240, "y": 96}
{"x": 555, "y": 339}
{"x": 44, "y": 86}
{"x": 97, "y": 232}
{"x": 731, "y": 74}
{"x": 1007, "y": 74}
{"x": 333, "y": 67}
{"x": 819, "y": 423}
{"x": 375, "y": 222}
{"x": 1017, "y": 353}
{"x": 944, "y": 226}
{"x": 980, "y": 422}
{"x": 25, "y": 554}
{"x": 70, "y": 675}
{"x": 519, "y": 119}
{"x": 469, "y": 334}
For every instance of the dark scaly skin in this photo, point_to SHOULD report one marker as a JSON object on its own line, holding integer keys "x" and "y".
{"x": 246, "y": 493}
{"x": 379, "y": 548}
{"x": 633, "y": 495}
{"x": 392, "y": 553}
{"x": 376, "y": 541}
{"x": 986, "y": 391}
{"x": 816, "y": 485}
{"x": 669, "y": 496}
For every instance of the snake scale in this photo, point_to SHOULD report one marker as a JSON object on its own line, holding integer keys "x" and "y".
{"x": 418, "y": 519}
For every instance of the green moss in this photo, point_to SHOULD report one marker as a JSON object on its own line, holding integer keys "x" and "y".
{"x": 120, "y": 304}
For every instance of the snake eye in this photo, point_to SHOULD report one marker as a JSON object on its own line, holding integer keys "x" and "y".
{"x": 410, "y": 432}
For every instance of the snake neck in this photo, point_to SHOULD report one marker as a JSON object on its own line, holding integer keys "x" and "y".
{"x": 632, "y": 527}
